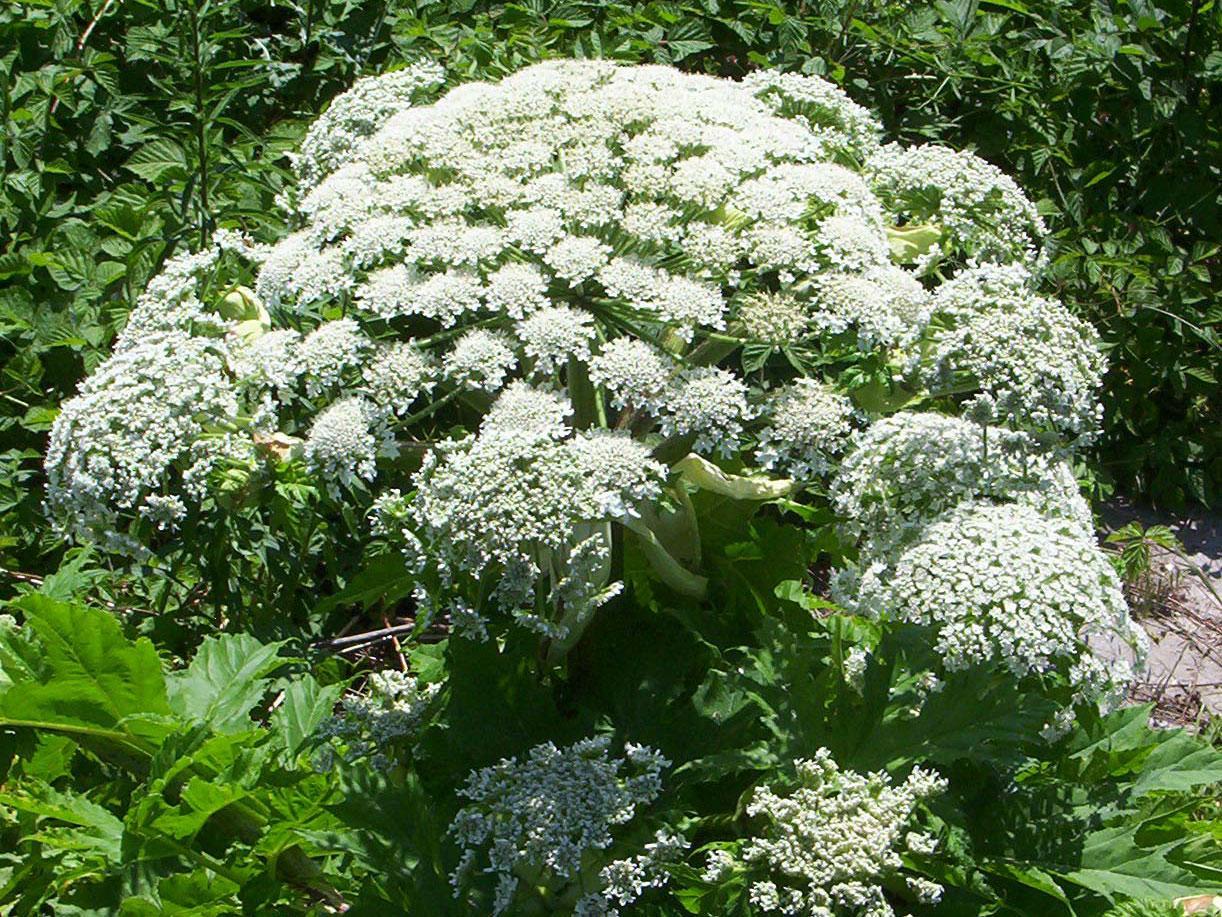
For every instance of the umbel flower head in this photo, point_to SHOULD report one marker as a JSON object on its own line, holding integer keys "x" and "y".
{"x": 830, "y": 845}
{"x": 907, "y": 469}
{"x": 543, "y": 815}
{"x": 507, "y": 312}
{"x": 524, "y": 498}
{"x": 1003, "y": 584}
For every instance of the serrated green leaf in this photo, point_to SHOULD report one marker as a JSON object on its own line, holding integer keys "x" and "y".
{"x": 224, "y": 681}
{"x": 93, "y": 829}
{"x": 1114, "y": 865}
{"x": 306, "y": 704}
{"x": 80, "y": 675}
{"x": 159, "y": 160}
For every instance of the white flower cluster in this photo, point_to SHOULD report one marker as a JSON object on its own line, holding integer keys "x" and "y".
{"x": 368, "y": 724}
{"x": 611, "y": 235}
{"x": 198, "y": 382}
{"x": 556, "y": 334}
{"x": 268, "y": 364}
{"x": 171, "y": 301}
{"x": 523, "y": 499}
{"x": 886, "y": 306}
{"x": 148, "y": 428}
{"x": 1030, "y": 363}
{"x": 640, "y": 185}
{"x": 330, "y": 352}
{"x": 346, "y": 440}
{"x": 633, "y": 372}
{"x": 829, "y": 847}
{"x": 709, "y": 404}
{"x": 358, "y": 113}
{"x": 540, "y": 815}
{"x": 480, "y": 359}
{"x": 975, "y": 533}
{"x": 1003, "y": 583}
{"x": 142, "y": 435}
{"x": 982, "y": 212}
{"x": 809, "y": 426}
{"x": 907, "y": 469}
{"x": 396, "y": 376}
{"x": 626, "y": 880}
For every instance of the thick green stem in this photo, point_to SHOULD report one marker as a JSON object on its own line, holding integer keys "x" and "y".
{"x": 910, "y": 243}
{"x": 201, "y": 128}
{"x": 669, "y": 570}
{"x": 581, "y": 394}
{"x": 677, "y": 530}
{"x": 716, "y": 347}
{"x": 707, "y": 476}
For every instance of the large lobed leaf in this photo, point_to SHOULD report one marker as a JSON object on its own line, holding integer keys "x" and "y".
{"x": 224, "y": 681}
{"x": 80, "y": 675}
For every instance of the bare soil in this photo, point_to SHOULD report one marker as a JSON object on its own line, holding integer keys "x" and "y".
{"x": 1181, "y": 613}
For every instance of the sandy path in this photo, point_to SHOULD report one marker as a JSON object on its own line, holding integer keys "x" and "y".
{"x": 1185, "y": 667}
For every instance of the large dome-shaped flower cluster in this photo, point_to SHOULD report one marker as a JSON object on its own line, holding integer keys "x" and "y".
{"x": 595, "y": 270}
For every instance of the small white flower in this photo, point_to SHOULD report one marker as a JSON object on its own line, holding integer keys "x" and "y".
{"x": 981, "y": 208}
{"x": 632, "y": 371}
{"x": 710, "y": 403}
{"x": 517, "y": 289}
{"x": 368, "y": 725}
{"x": 1000, "y": 583}
{"x": 555, "y": 335}
{"x": 549, "y": 808}
{"x": 809, "y": 426}
{"x": 329, "y": 352}
{"x": 907, "y": 469}
{"x": 342, "y": 443}
{"x": 833, "y": 840}
{"x": 397, "y": 376}
{"x": 481, "y": 359}
{"x": 577, "y": 258}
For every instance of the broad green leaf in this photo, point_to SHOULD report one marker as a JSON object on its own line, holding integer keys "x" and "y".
{"x": 909, "y": 243}
{"x": 158, "y": 160}
{"x": 75, "y": 575}
{"x": 1031, "y": 876}
{"x": 199, "y": 801}
{"x": 1179, "y": 764}
{"x": 306, "y": 705}
{"x": 1113, "y": 864}
{"x": 224, "y": 681}
{"x": 80, "y": 675}
{"x": 86, "y": 828}
{"x": 382, "y": 579}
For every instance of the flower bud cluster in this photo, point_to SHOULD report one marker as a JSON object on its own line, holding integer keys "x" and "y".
{"x": 368, "y": 725}
{"x": 543, "y": 814}
{"x": 831, "y": 845}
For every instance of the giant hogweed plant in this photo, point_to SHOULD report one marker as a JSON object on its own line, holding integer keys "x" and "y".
{"x": 601, "y": 353}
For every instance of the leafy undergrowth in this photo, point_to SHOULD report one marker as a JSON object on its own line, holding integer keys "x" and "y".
{"x": 136, "y": 789}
